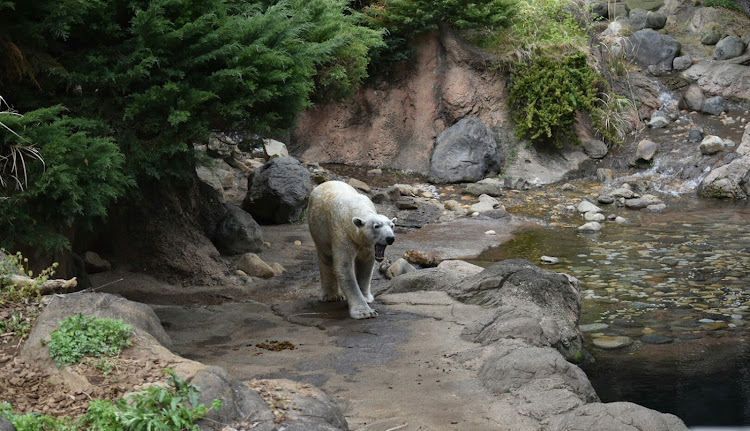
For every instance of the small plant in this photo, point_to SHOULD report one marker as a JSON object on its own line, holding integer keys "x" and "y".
{"x": 175, "y": 407}
{"x": 33, "y": 421}
{"x": 155, "y": 408}
{"x": 17, "y": 324}
{"x": 105, "y": 365}
{"x": 81, "y": 336}
{"x": 14, "y": 265}
{"x": 612, "y": 115}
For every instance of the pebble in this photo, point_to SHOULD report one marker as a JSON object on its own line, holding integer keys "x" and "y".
{"x": 490, "y": 232}
{"x": 714, "y": 326}
{"x": 549, "y": 260}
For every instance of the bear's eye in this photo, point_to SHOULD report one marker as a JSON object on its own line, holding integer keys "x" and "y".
{"x": 376, "y": 226}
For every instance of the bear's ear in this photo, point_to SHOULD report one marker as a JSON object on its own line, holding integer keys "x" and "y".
{"x": 393, "y": 220}
{"x": 358, "y": 222}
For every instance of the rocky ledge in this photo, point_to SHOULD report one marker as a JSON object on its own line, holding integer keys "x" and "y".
{"x": 455, "y": 346}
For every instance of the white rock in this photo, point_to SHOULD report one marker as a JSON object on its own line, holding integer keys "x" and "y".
{"x": 594, "y": 216}
{"x": 590, "y": 227}
{"x": 273, "y": 148}
{"x": 586, "y": 206}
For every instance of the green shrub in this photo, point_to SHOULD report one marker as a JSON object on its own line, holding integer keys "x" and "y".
{"x": 726, "y": 4}
{"x": 549, "y": 26}
{"x": 35, "y": 422}
{"x": 546, "y": 92}
{"x": 81, "y": 336}
{"x": 118, "y": 91}
{"x": 404, "y": 20}
{"x": 80, "y": 177}
{"x": 10, "y": 292}
{"x": 157, "y": 408}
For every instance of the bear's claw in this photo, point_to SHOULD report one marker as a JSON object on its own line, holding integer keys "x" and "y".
{"x": 332, "y": 298}
{"x": 363, "y": 313}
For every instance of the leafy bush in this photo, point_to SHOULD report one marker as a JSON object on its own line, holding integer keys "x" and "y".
{"x": 175, "y": 407}
{"x": 726, "y": 4}
{"x": 81, "y": 177}
{"x": 81, "y": 336}
{"x": 155, "y": 408}
{"x": 404, "y": 20}
{"x": 16, "y": 264}
{"x": 542, "y": 26}
{"x": 117, "y": 90}
{"x": 34, "y": 422}
{"x": 546, "y": 92}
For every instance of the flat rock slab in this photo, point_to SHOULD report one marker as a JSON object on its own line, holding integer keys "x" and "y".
{"x": 612, "y": 342}
{"x": 656, "y": 339}
{"x": 372, "y": 368}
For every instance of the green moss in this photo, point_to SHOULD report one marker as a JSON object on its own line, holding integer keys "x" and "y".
{"x": 577, "y": 358}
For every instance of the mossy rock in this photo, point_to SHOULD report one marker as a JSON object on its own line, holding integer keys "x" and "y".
{"x": 644, "y": 4}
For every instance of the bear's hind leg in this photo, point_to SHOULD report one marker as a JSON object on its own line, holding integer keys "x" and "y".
{"x": 328, "y": 282}
{"x": 364, "y": 269}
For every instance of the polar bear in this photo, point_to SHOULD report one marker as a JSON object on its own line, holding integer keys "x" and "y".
{"x": 349, "y": 236}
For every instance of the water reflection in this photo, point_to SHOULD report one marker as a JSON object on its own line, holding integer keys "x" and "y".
{"x": 678, "y": 285}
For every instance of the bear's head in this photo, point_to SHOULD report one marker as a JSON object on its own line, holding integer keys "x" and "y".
{"x": 376, "y": 230}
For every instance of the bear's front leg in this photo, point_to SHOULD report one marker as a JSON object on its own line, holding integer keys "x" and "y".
{"x": 347, "y": 280}
{"x": 363, "y": 268}
{"x": 328, "y": 282}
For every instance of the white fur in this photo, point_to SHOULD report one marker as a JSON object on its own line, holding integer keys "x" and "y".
{"x": 346, "y": 229}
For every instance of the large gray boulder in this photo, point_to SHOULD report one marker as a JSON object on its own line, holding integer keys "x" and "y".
{"x": 714, "y": 105}
{"x": 5, "y": 425}
{"x": 524, "y": 292}
{"x": 279, "y": 192}
{"x": 238, "y": 401}
{"x": 529, "y": 325}
{"x": 650, "y": 48}
{"x": 146, "y": 326}
{"x": 656, "y": 20}
{"x": 466, "y": 151}
{"x": 730, "y": 181}
{"x": 638, "y": 18}
{"x": 237, "y": 232}
{"x": 269, "y": 405}
{"x": 728, "y": 48}
{"x": 644, "y": 4}
{"x": 424, "y": 279}
{"x": 514, "y": 366}
{"x": 721, "y": 78}
{"x": 621, "y": 416}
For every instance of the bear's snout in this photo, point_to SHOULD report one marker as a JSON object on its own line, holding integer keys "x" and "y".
{"x": 390, "y": 240}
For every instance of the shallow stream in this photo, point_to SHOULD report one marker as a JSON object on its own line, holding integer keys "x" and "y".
{"x": 677, "y": 285}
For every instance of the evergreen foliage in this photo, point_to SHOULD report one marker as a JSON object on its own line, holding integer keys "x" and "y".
{"x": 404, "y": 20}
{"x": 81, "y": 176}
{"x": 121, "y": 89}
